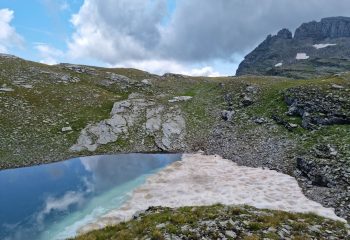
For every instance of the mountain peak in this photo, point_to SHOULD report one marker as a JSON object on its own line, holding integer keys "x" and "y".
{"x": 317, "y": 48}
{"x": 285, "y": 34}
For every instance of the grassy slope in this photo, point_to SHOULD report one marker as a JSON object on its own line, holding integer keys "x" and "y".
{"x": 213, "y": 222}
{"x": 31, "y": 119}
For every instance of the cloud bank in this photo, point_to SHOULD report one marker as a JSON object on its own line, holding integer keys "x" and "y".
{"x": 140, "y": 33}
{"x": 187, "y": 37}
{"x": 48, "y": 54}
{"x": 8, "y": 35}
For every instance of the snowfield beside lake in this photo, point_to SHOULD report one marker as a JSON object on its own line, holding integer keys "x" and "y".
{"x": 200, "y": 180}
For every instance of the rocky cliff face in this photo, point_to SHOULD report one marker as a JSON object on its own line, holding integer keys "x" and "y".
{"x": 333, "y": 27}
{"x": 320, "y": 48}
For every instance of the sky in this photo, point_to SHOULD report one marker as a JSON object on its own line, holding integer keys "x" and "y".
{"x": 194, "y": 37}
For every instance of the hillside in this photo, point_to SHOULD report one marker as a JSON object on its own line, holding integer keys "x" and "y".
{"x": 317, "y": 48}
{"x": 298, "y": 127}
{"x": 221, "y": 222}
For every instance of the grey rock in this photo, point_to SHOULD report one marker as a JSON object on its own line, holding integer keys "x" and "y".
{"x": 336, "y": 86}
{"x": 283, "y": 48}
{"x": 285, "y": 34}
{"x": 315, "y": 228}
{"x": 173, "y": 132}
{"x": 260, "y": 120}
{"x": 66, "y": 129}
{"x": 8, "y": 56}
{"x": 123, "y": 116}
{"x": 154, "y": 119}
{"x": 146, "y": 82}
{"x": 160, "y": 226}
{"x": 231, "y": 234}
{"x": 227, "y": 115}
{"x": 79, "y": 68}
{"x": 118, "y": 78}
{"x": 252, "y": 89}
{"x": 332, "y": 27}
{"x": 167, "y": 127}
{"x": 247, "y": 101}
{"x": 6, "y": 89}
{"x": 180, "y": 99}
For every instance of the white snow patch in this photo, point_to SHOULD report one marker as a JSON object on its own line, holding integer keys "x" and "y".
{"x": 200, "y": 180}
{"x": 279, "y": 64}
{"x": 323, "y": 45}
{"x": 301, "y": 56}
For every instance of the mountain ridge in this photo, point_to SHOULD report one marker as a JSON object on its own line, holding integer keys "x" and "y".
{"x": 317, "y": 48}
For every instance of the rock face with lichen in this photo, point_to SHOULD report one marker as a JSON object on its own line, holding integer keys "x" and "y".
{"x": 317, "y": 48}
{"x": 166, "y": 126}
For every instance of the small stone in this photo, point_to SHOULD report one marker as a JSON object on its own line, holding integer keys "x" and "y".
{"x": 146, "y": 82}
{"x": 247, "y": 101}
{"x": 180, "y": 99}
{"x": 336, "y": 86}
{"x": 252, "y": 89}
{"x": 67, "y": 129}
{"x": 293, "y": 125}
{"x": 227, "y": 115}
{"x": 332, "y": 151}
{"x": 231, "y": 234}
{"x": 260, "y": 120}
{"x": 161, "y": 225}
{"x": 6, "y": 89}
{"x": 28, "y": 86}
{"x": 315, "y": 228}
{"x": 75, "y": 79}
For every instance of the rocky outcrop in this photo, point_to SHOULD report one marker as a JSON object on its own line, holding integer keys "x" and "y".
{"x": 317, "y": 107}
{"x": 317, "y": 48}
{"x": 332, "y": 27}
{"x": 166, "y": 126}
{"x": 124, "y": 114}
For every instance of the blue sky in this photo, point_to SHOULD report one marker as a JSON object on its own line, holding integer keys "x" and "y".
{"x": 41, "y": 21}
{"x": 49, "y": 22}
{"x": 195, "y": 37}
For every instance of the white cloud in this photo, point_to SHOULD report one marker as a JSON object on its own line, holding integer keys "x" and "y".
{"x": 49, "y": 54}
{"x": 204, "y": 71}
{"x": 116, "y": 31}
{"x": 60, "y": 204}
{"x": 64, "y": 6}
{"x": 53, "y": 5}
{"x": 165, "y": 66}
{"x": 8, "y": 35}
{"x": 134, "y": 33}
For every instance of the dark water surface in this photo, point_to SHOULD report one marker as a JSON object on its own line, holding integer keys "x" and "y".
{"x": 52, "y": 201}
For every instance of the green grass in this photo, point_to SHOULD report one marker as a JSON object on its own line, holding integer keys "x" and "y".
{"x": 34, "y": 117}
{"x": 179, "y": 222}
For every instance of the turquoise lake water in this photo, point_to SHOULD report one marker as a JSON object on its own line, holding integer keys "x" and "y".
{"x": 53, "y": 201}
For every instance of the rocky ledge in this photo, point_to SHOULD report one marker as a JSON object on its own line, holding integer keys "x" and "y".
{"x": 317, "y": 107}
